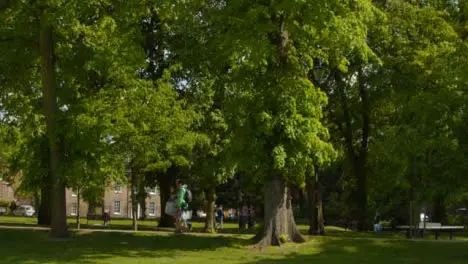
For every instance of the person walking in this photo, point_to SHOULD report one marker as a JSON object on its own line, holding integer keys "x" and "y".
{"x": 220, "y": 216}
{"x": 183, "y": 200}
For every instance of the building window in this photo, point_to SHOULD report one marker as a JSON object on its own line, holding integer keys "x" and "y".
{"x": 116, "y": 207}
{"x": 153, "y": 191}
{"x": 152, "y": 208}
{"x": 73, "y": 193}
{"x": 74, "y": 209}
{"x": 118, "y": 188}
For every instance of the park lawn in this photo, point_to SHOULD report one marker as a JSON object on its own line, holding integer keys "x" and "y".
{"x": 27, "y": 246}
{"x": 229, "y": 228}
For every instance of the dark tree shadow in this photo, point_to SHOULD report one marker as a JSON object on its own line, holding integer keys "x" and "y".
{"x": 25, "y": 246}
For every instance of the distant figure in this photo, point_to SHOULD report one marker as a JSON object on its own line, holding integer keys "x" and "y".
{"x": 220, "y": 217}
{"x": 243, "y": 217}
{"x": 251, "y": 217}
{"x": 377, "y": 225}
{"x": 106, "y": 217}
{"x": 230, "y": 214}
{"x": 422, "y": 217}
{"x": 183, "y": 199}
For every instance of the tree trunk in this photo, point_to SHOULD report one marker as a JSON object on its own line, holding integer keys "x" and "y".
{"x": 142, "y": 200}
{"x": 362, "y": 160}
{"x": 361, "y": 193}
{"x": 78, "y": 204}
{"x": 439, "y": 212}
{"x": 303, "y": 203}
{"x": 279, "y": 225}
{"x": 165, "y": 183}
{"x": 59, "y": 227}
{"x": 210, "y": 207}
{"x": 312, "y": 205}
{"x": 134, "y": 199}
{"x": 43, "y": 216}
{"x": 320, "y": 217}
{"x": 357, "y": 157}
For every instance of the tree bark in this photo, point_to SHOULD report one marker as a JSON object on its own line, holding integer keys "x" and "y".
{"x": 134, "y": 199}
{"x": 362, "y": 160}
{"x": 411, "y": 222}
{"x": 312, "y": 205}
{"x": 78, "y": 204}
{"x": 279, "y": 224}
{"x": 165, "y": 183}
{"x": 320, "y": 216}
{"x": 357, "y": 158}
{"x": 210, "y": 207}
{"x": 303, "y": 203}
{"x": 439, "y": 212}
{"x": 142, "y": 200}
{"x": 59, "y": 227}
{"x": 44, "y": 215}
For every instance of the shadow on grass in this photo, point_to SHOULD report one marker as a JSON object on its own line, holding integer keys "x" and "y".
{"x": 26, "y": 246}
{"x": 350, "y": 250}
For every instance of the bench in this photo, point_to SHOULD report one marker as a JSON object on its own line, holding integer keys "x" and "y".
{"x": 437, "y": 228}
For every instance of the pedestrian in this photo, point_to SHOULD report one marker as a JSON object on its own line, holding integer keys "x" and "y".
{"x": 243, "y": 218}
{"x": 220, "y": 217}
{"x": 184, "y": 197}
{"x": 251, "y": 217}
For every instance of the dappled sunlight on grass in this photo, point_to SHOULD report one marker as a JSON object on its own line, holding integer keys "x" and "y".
{"x": 26, "y": 246}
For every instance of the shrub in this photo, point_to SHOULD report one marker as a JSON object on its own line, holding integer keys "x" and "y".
{"x": 283, "y": 238}
{"x": 4, "y": 203}
{"x": 456, "y": 220}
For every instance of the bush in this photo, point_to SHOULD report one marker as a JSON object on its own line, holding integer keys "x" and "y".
{"x": 4, "y": 203}
{"x": 283, "y": 238}
{"x": 457, "y": 220}
{"x": 386, "y": 224}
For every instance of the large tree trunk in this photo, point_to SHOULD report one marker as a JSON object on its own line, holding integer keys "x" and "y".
{"x": 165, "y": 183}
{"x": 356, "y": 156}
{"x": 439, "y": 213}
{"x": 210, "y": 207}
{"x": 320, "y": 216}
{"x": 279, "y": 225}
{"x": 59, "y": 227}
{"x": 312, "y": 205}
{"x": 361, "y": 194}
{"x": 362, "y": 160}
{"x": 43, "y": 216}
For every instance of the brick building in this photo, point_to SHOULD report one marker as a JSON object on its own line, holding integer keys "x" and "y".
{"x": 117, "y": 200}
{"x": 6, "y": 191}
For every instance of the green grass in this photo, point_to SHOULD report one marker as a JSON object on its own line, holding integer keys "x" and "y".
{"x": 26, "y": 246}
{"x": 339, "y": 246}
{"x": 229, "y": 228}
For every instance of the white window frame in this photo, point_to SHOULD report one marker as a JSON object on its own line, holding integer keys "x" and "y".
{"x": 117, "y": 188}
{"x": 153, "y": 191}
{"x": 154, "y": 208}
{"x": 115, "y": 207}
{"x": 74, "y": 209}
{"x": 73, "y": 192}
